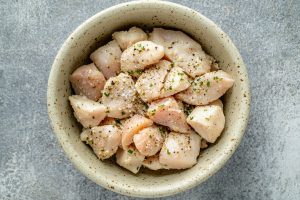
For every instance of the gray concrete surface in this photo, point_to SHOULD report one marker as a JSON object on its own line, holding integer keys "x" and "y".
{"x": 265, "y": 166}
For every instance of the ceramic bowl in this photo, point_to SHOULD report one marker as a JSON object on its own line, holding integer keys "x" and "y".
{"x": 96, "y": 31}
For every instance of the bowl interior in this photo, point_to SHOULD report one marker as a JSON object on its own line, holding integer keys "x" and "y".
{"x": 97, "y": 31}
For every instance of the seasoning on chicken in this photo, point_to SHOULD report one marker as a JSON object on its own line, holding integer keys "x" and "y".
{"x": 176, "y": 81}
{"x": 103, "y": 139}
{"x": 140, "y": 107}
{"x": 118, "y": 95}
{"x": 130, "y": 159}
{"x": 89, "y": 113}
{"x": 180, "y": 151}
{"x": 183, "y": 51}
{"x": 127, "y": 38}
{"x": 168, "y": 112}
{"x": 88, "y": 80}
{"x": 132, "y": 126}
{"x": 153, "y": 163}
{"x": 140, "y": 112}
{"x": 206, "y": 88}
{"x": 107, "y": 59}
{"x": 139, "y": 56}
{"x": 208, "y": 121}
{"x": 151, "y": 82}
{"x": 112, "y": 121}
{"x": 148, "y": 141}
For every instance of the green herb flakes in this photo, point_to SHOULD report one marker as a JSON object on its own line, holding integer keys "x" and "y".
{"x": 140, "y": 48}
{"x": 168, "y": 152}
{"x": 208, "y": 84}
{"x": 161, "y": 106}
{"x": 146, "y": 106}
{"x": 130, "y": 151}
{"x": 152, "y": 112}
{"x": 118, "y": 121}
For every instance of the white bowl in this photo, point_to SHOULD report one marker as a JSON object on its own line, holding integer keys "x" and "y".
{"x": 96, "y": 31}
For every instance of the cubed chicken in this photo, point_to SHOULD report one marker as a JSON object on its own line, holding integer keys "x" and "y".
{"x": 130, "y": 159}
{"x": 168, "y": 112}
{"x": 206, "y": 88}
{"x": 183, "y": 51}
{"x": 151, "y": 82}
{"x": 119, "y": 95}
{"x": 89, "y": 113}
{"x": 104, "y": 140}
{"x": 113, "y": 121}
{"x": 132, "y": 126}
{"x": 127, "y": 38}
{"x": 139, "y": 56}
{"x": 107, "y": 59}
{"x": 208, "y": 121}
{"x": 180, "y": 151}
{"x": 176, "y": 81}
{"x": 148, "y": 141}
{"x": 87, "y": 80}
{"x": 153, "y": 163}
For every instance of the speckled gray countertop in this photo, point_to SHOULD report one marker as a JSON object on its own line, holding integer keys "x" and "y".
{"x": 266, "y": 164}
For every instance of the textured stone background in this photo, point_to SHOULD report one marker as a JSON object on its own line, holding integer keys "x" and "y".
{"x": 265, "y": 166}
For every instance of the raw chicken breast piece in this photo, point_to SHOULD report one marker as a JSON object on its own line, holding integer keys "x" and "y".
{"x": 206, "y": 88}
{"x": 180, "y": 151}
{"x": 132, "y": 126}
{"x": 176, "y": 81}
{"x": 130, "y": 159}
{"x": 89, "y": 113}
{"x": 87, "y": 80}
{"x": 127, "y": 38}
{"x": 150, "y": 83}
{"x": 113, "y": 121}
{"x": 208, "y": 121}
{"x": 140, "y": 55}
{"x": 107, "y": 59}
{"x": 119, "y": 95}
{"x": 104, "y": 140}
{"x": 148, "y": 141}
{"x": 183, "y": 51}
{"x": 153, "y": 163}
{"x": 168, "y": 112}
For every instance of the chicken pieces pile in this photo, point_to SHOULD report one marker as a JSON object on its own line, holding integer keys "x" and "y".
{"x": 151, "y": 99}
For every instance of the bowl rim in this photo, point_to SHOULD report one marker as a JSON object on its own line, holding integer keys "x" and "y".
{"x": 125, "y": 190}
